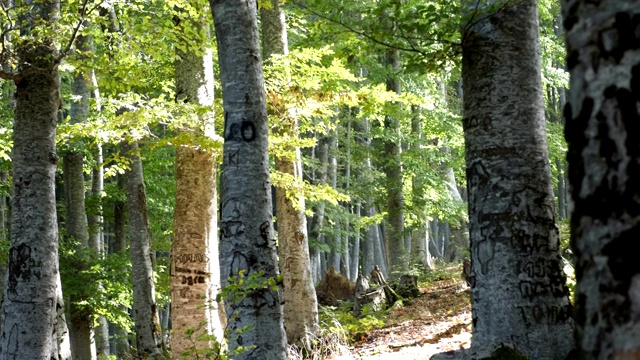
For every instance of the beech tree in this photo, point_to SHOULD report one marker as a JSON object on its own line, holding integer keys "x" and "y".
{"x": 519, "y": 294}
{"x": 195, "y": 274}
{"x": 248, "y": 246}
{"x": 81, "y": 319}
{"x": 604, "y": 168}
{"x": 31, "y": 294}
{"x": 145, "y": 310}
{"x": 300, "y": 303}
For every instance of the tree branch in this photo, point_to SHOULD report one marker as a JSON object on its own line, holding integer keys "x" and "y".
{"x": 83, "y": 16}
{"x": 412, "y": 48}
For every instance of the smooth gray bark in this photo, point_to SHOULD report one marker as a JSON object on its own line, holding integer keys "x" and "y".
{"x": 248, "y": 246}
{"x": 317, "y": 225}
{"x": 419, "y": 234}
{"x": 120, "y": 218}
{"x": 370, "y": 240}
{"x": 120, "y": 340}
{"x": 333, "y": 258}
{"x": 602, "y": 127}
{"x": 81, "y": 318}
{"x": 392, "y": 168}
{"x": 195, "y": 267}
{"x": 145, "y": 309}
{"x": 96, "y": 242}
{"x": 354, "y": 263}
{"x": 300, "y": 302}
{"x": 379, "y": 248}
{"x": 519, "y": 295}
{"x": 30, "y": 316}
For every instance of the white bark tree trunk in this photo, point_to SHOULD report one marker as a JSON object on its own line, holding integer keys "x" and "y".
{"x": 604, "y": 173}
{"x": 80, "y": 318}
{"x": 29, "y": 310}
{"x": 248, "y": 246}
{"x": 145, "y": 309}
{"x": 300, "y": 302}
{"x": 195, "y": 267}
{"x": 519, "y": 295}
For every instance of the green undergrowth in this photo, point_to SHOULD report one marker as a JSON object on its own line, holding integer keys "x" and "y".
{"x": 340, "y": 320}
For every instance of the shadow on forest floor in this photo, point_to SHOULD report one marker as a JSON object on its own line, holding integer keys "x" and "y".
{"x": 435, "y": 325}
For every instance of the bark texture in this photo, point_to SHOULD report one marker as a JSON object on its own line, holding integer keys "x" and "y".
{"x": 29, "y": 310}
{"x": 602, "y": 125}
{"x": 317, "y": 223}
{"x": 80, "y": 317}
{"x": 195, "y": 269}
{"x": 248, "y": 246}
{"x": 397, "y": 256}
{"x": 519, "y": 297}
{"x": 300, "y": 302}
{"x": 145, "y": 310}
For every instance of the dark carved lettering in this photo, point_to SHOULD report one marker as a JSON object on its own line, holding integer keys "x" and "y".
{"x": 552, "y": 315}
{"x": 191, "y": 258}
{"x": 248, "y": 131}
{"x": 234, "y": 133}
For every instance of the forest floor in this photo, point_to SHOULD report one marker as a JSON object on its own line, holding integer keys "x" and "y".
{"x": 436, "y": 322}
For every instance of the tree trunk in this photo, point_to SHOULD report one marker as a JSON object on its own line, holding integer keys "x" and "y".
{"x": 145, "y": 310}
{"x": 332, "y": 175}
{"x": 121, "y": 339}
{"x": 120, "y": 218}
{"x": 519, "y": 295}
{"x": 3, "y": 235}
{"x": 420, "y": 233}
{"x": 354, "y": 264}
{"x": 561, "y": 191}
{"x": 248, "y": 246}
{"x": 96, "y": 242}
{"x": 317, "y": 225}
{"x": 300, "y": 302}
{"x": 604, "y": 173}
{"x": 195, "y": 269}
{"x": 345, "y": 258}
{"x": 369, "y": 256}
{"x": 31, "y": 293}
{"x": 81, "y": 318}
{"x": 345, "y": 269}
{"x": 392, "y": 167}
{"x": 379, "y": 249}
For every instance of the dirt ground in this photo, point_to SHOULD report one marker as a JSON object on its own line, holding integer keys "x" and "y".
{"x": 436, "y": 322}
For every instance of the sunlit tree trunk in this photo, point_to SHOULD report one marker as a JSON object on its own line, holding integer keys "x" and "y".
{"x": 300, "y": 303}
{"x": 80, "y": 317}
{"x": 96, "y": 242}
{"x": 419, "y": 234}
{"x": 145, "y": 310}
{"x": 195, "y": 269}
{"x": 248, "y": 246}
{"x": 29, "y": 310}
{"x": 519, "y": 295}
{"x": 602, "y": 127}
